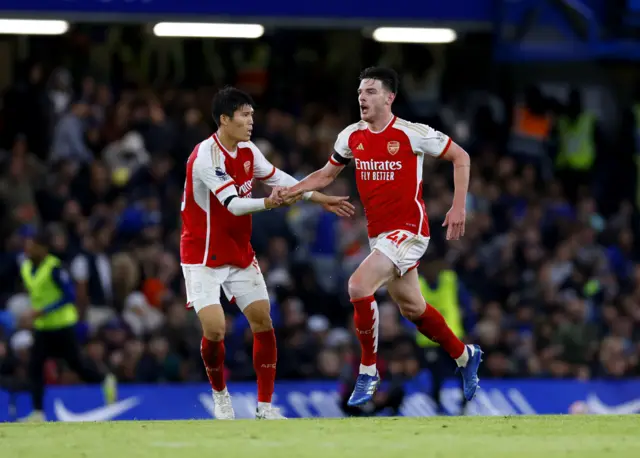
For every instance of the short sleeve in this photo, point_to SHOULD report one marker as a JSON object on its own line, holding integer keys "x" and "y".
{"x": 342, "y": 153}
{"x": 429, "y": 141}
{"x": 80, "y": 268}
{"x": 262, "y": 168}
{"x": 61, "y": 277}
{"x": 209, "y": 167}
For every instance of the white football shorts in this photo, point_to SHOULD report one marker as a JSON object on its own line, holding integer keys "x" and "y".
{"x": 403, "y": 248}
{"x": 242, "y": 286}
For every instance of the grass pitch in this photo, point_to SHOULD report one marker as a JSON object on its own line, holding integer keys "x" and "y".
{"x": 490, "y": 437}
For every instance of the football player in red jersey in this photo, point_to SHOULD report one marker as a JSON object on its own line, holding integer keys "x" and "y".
{"x": 215, "y": 243}
{"x": 389, "y": 154}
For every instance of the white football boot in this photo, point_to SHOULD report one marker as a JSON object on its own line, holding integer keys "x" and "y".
{"x": 36, "y": 416}
{"x": 223, "y": 409}
{"x": 268, "y": 412}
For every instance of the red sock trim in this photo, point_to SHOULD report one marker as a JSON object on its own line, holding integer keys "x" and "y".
{"x": 367, "y": 299}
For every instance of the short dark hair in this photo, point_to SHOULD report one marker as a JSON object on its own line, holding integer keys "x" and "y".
{"x": 387, "y": 76}
{"x": 227, "y": 101}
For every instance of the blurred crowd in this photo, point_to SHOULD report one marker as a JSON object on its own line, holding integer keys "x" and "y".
{"x": 549, "y": 266}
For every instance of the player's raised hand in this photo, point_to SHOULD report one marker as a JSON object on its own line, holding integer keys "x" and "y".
{"x": 454, "y": 222}
{"x": 339, "y": 205}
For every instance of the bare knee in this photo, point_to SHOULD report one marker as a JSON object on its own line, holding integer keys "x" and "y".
{"x": 213, "y": 331}
{"x": 412, "y": 310}
{"x": 374, "y": 272}
{"x": 405, "y": 291}
{"x": 261, "y": 324}
{"x": 213, "y": 322}
{"x": 259, "y": 316}
{"x": 358, "y": 287}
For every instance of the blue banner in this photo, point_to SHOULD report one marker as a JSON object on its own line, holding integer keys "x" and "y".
{"x": 463, "y": 10}
{"x": 321, "y": 399}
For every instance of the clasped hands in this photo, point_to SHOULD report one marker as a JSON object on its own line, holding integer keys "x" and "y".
{"x": 283, "y": 196}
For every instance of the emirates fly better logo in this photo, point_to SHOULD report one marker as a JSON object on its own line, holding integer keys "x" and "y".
{"x": 371, "y": 170}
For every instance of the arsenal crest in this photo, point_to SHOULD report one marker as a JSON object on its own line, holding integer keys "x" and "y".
{"x": 247, "y": 167}
{"x": 393, "y": 147}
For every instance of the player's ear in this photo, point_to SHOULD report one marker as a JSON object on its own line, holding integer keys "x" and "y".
{"x": 391, "y": 97}
{"x": 224, "y": 120}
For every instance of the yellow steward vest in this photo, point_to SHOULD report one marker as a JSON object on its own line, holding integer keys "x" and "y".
{"x": 43, "y": 291}
{"x": 445, "y": 299}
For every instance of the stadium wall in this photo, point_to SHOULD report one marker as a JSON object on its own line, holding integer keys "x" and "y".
{"x": 321, "y": 399}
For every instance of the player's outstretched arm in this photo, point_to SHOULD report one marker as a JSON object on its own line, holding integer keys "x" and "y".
{"x": 239, "y": 206}
{"x": 456, "y": 216}
{"x": 319, "y": 179}
{"x": 323, "y": 177}
{"x": 223, "y": 187}
{"x": 290, "y": 195}
{"x": 291, "y": 192}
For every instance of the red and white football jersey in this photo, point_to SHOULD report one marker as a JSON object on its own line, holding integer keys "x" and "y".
{"x": 389, "y": 171}
{"x": 211, "y": 235}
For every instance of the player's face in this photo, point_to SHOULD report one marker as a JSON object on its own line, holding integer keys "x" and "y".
{"x": 374, "y": 100}
{"x": 32, "y": 249}
{"x": 241, "y": 125}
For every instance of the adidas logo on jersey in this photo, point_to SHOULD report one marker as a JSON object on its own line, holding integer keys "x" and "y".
{"x": 360, "y": 147}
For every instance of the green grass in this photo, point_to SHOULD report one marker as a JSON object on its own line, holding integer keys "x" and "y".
{"x": 490, "y": 437}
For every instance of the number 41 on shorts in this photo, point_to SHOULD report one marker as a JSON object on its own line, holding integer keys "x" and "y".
{"x": 397, "y": 237}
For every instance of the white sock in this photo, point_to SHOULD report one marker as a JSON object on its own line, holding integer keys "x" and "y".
{"x": 225, "y": 391}
{"x": 463, "y": 359}
{"x": 263, "y": 405}
{"x": 369, "y": 370}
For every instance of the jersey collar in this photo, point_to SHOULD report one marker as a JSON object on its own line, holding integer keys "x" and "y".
{"x": 390, "y": 123}
{"x": 222, "y": 148}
